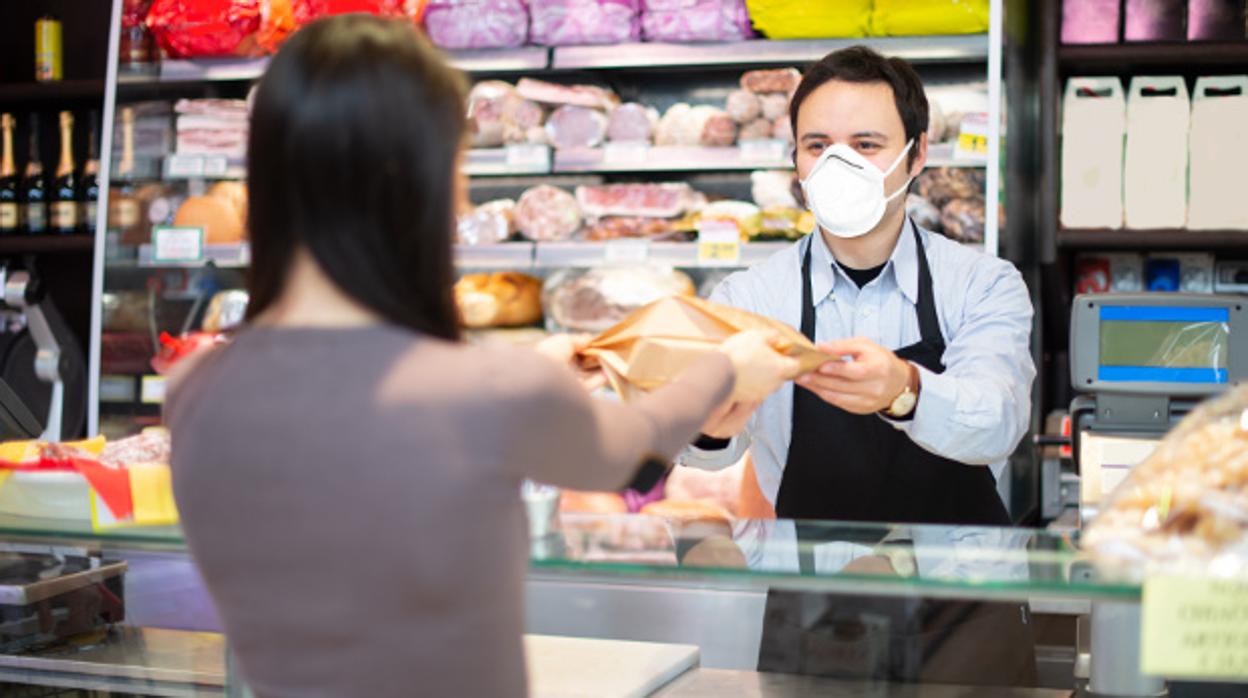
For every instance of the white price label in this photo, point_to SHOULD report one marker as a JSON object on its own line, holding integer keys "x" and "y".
{"x": 216, "y": 165}
{"x": 767, "y": 150}
{"x": 625, "y": 251}
{"x": 626, "y": 153}
{"x": 152, "y": 390}
{"x": 184, "y": 166}
{"x": 171, "y": 244}
{"x": 719, "y": 244}
{"x": 529, "y": 157}
{"x": 116, "y": 389}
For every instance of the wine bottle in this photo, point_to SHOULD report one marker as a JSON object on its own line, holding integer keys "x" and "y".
{"x": 10, "y": 220}
{"x": 34, "y": 199}
{"x": 89, "y": 188}
{"x": 63, "y": 211}
{"x": 123, "y": 206}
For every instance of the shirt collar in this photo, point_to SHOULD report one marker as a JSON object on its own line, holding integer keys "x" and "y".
{"x": 903, "y": 264}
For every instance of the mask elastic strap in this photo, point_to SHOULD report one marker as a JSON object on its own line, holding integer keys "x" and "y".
{"x": 901, "y": 189}
{"x": 897, "y": 162}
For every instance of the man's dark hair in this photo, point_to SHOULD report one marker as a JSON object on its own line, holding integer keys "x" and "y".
{"x": 861, "y": 64}
{"x": 355, "y": 130}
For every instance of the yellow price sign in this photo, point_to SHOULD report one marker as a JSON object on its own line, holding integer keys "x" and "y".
{"x": 1195, "y": 628}
{"x": 719, "y": 244}
{"x": 973, "y": 143}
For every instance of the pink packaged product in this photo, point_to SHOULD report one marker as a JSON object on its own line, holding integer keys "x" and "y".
{"x": 1215, "y": 20}
{"x": 575, "y": 22}
{"x": 695, "y": 20}
{"x": 1090, "y": 21}
{"x": 1154, "y": 20}
{"x": 477, "y": 24}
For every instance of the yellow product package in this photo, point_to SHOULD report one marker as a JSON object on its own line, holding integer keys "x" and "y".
{"x": 929, "y": 17}
{"x": 658, "y": 342}
{"x": 802, "y": 19}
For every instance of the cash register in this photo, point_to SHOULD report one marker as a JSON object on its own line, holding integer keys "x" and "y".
{"x": 1142, "y": 361}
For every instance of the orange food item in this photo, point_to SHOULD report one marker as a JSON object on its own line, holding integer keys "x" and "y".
{"x": 217, "y": 216}
{"x": 687, "y": 510}
{"x": 572, "y": 501}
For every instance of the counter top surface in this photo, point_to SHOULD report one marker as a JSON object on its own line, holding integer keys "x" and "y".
{"x": 708, "y": 683}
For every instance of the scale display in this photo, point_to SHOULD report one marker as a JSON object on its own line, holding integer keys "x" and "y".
{"x": 1164, "y": 344}
{"x": 1158, "y": 343}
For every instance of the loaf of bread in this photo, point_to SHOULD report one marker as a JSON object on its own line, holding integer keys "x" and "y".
{"x": 501, "y": 299}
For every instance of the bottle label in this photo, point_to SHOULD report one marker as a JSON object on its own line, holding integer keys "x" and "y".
{"x": 88, "y": 213}
{"x": 36, "y": 218}
{"x": 125, "y": 213}
{"x": 64, "y": 215}
{"x": 8, "y": 217}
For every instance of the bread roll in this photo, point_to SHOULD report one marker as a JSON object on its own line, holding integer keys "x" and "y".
{"x": 502, "y": 299}
{"x": 216, "y": 215}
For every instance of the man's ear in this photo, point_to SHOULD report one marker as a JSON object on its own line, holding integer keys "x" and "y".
{"x": 920, "y": 155}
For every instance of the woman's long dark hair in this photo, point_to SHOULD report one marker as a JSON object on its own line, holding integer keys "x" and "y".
{"x": 355, "y": 131}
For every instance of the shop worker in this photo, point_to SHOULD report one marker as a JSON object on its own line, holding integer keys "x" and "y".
{"x": 913, "y": 424}
{"x": 932, "y": 395}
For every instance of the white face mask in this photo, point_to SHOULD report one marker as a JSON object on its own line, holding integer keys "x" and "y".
{"x": 845, "y": 191}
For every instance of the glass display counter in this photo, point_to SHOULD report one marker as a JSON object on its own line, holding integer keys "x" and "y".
{"x": 720, "y": 585}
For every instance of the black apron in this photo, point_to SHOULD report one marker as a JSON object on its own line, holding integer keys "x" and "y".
{"x": 847, "y": 467}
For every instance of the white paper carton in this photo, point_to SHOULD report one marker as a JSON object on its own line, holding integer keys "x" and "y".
{"x": 1155, "y": 168}
{"x": 1093, "y": 124}
{"x": 1218, "y": 153}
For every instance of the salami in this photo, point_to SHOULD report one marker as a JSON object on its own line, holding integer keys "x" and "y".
{"x": 649, "y": 200}
{"x": 743, "y": 106}
{"x": 547, "y": 213}
{"x": 474, "y": 24}
{"x": 576, "y": 127}
{"x": 719, "y": 131}
{"x": 631, "y": 122}
{"x": 778, "y": 80}
{"x": 757, "y": 129}
{"x": 574, "y": 95}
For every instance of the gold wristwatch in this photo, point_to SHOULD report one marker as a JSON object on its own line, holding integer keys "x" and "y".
{"x": 905, "y": 402}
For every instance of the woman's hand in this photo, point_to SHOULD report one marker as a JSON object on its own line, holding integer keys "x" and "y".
{"x": 563, "y": 348}
{"x": 761, "y": 370}
{"x": 729, "y": 419}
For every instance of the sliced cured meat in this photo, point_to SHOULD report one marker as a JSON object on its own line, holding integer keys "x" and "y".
{"x": 778, "y": 80}
{"x": 576, "y": 127}
{"x": 574, "y": 95}
{"x": 719, "y": 130}
{"x": 743, "y": 106}
{"x": 774, "y": 106}
{"x": 547, "y": 213}
{"x": 648, "y": 200}
{"x": 631, "y": 122}
{"x": 757, "y": 129}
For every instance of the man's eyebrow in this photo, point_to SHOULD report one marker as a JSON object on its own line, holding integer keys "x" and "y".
{"x": 870, "y": 134}
{"x": 813, "y": 136}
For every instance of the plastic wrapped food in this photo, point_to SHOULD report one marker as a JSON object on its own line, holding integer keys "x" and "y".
{"x": 590, "y": 96}
{"x": 226, "y": 311}
{"x": 773, "y": 188}
{"x": 632, "y": 122}
{"x": 650, "y": 200}
{"x": 206, "y": 28}
{"x": 700, "y": 125}
{"x": 743, "y": 106}
{"x": 576, "y": 127}
{"x": 695, "y": 20}
{"x": 778, "y": 80}
{"x": 757, "y": 129}
{"x": 782, "y": 129}
{"x": 500, "y": 115}
{"x": 616, "y": 227}
{"x": 280, "y": 18}
{"x": 487, "y": 224}
{"x": 547, "y": 213}
{"x": 963, "y": 220}
{"x": 929, "y": 17}
{"x": 574, "y": 22}
{"x": 774, "y": 105}
{"x": 1185, "y": 508}
{"x": 477, "y": 24}
{"x": 719, "y": 131}
{"x": 593, "y": 300}
{"x": 803, "y": 19}
{"x": 150, "y": 446}
{"x": 943, "y": 184}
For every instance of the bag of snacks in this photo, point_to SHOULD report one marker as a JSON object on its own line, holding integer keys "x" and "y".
{"x": 205, "y": 28}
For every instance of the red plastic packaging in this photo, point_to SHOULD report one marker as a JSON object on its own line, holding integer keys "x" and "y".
{"x": 205, "y": 28}
{"x": 281, "y": 18}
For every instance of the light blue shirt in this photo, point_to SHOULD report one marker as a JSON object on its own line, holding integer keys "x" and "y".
{"x": 976, "y": 412}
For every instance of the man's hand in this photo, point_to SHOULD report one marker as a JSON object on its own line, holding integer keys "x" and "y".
{"x": 729, "y": 419}
{"x": 866, "y": 380}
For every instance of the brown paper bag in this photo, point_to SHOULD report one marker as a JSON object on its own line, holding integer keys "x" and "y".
{"x": 658, "y": 342}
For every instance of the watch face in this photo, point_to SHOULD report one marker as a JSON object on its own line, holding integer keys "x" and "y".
{"x": 902, "y": 405}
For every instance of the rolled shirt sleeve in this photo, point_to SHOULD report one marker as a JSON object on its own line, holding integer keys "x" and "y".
{"x": 978, "y": 410}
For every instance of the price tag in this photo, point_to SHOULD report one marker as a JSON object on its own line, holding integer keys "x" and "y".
{"x": 184, "y": 166}
{"x": 152, "y": 390}
{"x": 182, "y": 245}
{"x": 972, "y": 137}
{"x": 767, "y": 150}
{"x": 216, "y": 166}
{"x": 626, "y": 153}
{"x": 1195, "y": 628}
{"x": 116, "y": 389}
{"x": 719, "y": 244}
{"x": 528, "y": 157}
{"x": 625, "y": 252}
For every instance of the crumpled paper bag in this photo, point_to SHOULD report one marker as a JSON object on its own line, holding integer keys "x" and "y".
{"x": 655, "y": 344}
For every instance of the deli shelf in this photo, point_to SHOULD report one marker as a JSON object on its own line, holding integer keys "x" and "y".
{"x": 674, "y": 254}
{"x": 762, "y": 52}
{"x": 508, "y": 255}
{"x": 1159, "y": 239}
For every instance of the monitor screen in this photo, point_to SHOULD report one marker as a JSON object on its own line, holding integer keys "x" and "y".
{"x": 1160, "y": 344}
